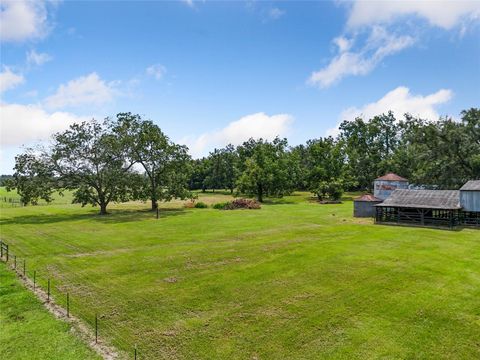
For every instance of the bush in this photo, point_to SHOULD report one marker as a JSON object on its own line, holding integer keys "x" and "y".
{"x": 201, "y": 205}
{"x": 238, "y": 204}
{"x": 221, "y": 205}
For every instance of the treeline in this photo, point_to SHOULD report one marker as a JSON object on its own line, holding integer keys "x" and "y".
{"x": 129, "y": 158}
{"x": 441, "y": 154}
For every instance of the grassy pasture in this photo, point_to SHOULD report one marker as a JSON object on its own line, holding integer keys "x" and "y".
{"x": 29, "y": 331}
{"x": 294, "y": 280}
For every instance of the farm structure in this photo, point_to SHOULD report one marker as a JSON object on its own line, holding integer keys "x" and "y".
{"x": 364, "y": 206}
{"x": 385, "y": 185}
{"x": 447, "y": 208}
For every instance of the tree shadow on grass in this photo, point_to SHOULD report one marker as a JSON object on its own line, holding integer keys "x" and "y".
{"x": 113, "y": 217}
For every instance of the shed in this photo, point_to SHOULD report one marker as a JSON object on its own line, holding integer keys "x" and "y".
{"x": 385, "y": 185}
{"x": 364, "y": 206}
{"x": 422, "y": 207}
{"x": 470, "y": 196}
{"x": 470, "y": 202}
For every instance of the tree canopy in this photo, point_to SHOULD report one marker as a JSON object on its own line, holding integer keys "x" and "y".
{"x": 131, "y": 158}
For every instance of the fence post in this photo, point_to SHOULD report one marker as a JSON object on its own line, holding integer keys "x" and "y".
{"x": 15, "y": 262}
{"x": 24, "y": 265}
{"x": 96, "y": 328}
{"x": 48, "y": 290}
{"x": 135, "y": 352}
{"x": 68, "y": 305}
{"x": 7, "y": 251}
{"x": 34, "y": 279}
{"x": 1, "y": 249}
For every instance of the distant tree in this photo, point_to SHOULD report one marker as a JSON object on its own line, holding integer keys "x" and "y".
{"x": 445, "y": 153}
{"x": 266, "y": 169}
{"x": 300, "y": 166}
{"x": 4, "y": 178}
{"x": 230, "y": 166}
{"x": 198, "y": 174}
{"x": 370, "y": 147}
{"x": 90, "y": 159}
{"x": 222, "y": 168}
{"x": 215, "y": 171}
{"x": 326, "y": 168}
{"x": 33, "y": 178}
{"x": 166, "y": 165}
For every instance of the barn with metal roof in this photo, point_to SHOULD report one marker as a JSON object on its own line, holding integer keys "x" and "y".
{"x": 422, "y": 207}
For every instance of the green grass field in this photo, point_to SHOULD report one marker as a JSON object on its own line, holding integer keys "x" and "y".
{"x": 29, "y": 331}
{"x": 294, "y": 280}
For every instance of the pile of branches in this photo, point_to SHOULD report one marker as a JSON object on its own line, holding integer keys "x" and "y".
{"x": 238, "y": 204}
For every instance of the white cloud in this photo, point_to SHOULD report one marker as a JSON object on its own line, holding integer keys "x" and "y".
{"x": 343, "y": 43}
{"x": 258, "y": 125}
{"x": 275, "y": 13}
{"x": 379, "y": 45}
{"x": 445, "y": 14}
{"x": 400, "y": 101}
{"x": 9, "y": 80}
{"x": 22, "y": 20}
{"x": 377, "y": 18}
{"x": 157, "y": 71}
{"x": 85, "y": 90}
{"x": 34, "y": 58}
{"x": 188, "y": 2}
{"x": 23, "y": 124}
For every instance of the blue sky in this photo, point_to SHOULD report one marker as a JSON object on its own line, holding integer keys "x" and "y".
{"x": 209, "y": 73}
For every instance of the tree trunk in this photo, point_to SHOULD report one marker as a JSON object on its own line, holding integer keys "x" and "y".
{"x": 103, "y": 208}
{"x": 154, "y": 204}
{"x": 260, "y": 193}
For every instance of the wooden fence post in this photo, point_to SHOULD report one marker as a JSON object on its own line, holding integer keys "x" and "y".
{"x": 48, "y": 290}
{"x": 68, "y": 305}
{"x": 24, "y": 266}
{"x": 34, "y": 279}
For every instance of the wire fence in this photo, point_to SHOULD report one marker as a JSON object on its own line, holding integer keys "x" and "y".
{"x": 6, "y": 201}
{"x": 99, "y": 329}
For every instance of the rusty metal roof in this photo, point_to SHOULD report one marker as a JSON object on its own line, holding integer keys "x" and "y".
{"x": 472, "y": 185}
{"x": 368, "y": 197}
{"x": 391, "y": 177}
{"x": 425, "y": 199}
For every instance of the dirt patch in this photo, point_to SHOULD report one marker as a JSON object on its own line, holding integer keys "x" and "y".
{"x": 79, "y": 328}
